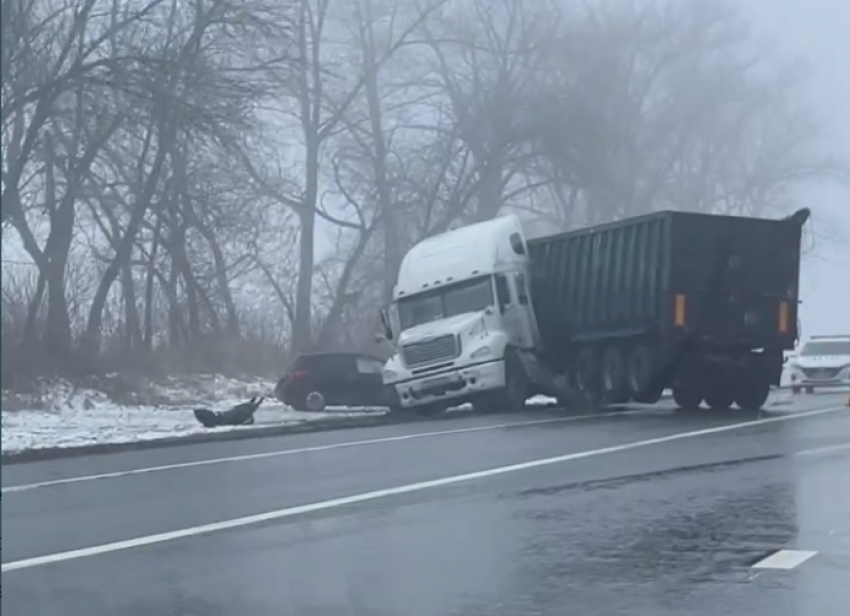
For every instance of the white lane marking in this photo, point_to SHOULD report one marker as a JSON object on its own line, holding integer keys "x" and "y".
{"x": 823, "y": 450}
{"x": 289, "y": 512}
{"x": 785, "y": 559}
{"x": 290, "y": 452}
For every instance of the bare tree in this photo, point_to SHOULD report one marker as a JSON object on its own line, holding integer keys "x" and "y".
{"x": 658, "y": 106}
{"x": 322, "y": 94}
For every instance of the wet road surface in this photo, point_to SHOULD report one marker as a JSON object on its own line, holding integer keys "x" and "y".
{"x": 647, "y": 512}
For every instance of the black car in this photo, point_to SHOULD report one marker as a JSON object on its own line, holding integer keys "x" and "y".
{"x": 317, "y": 380}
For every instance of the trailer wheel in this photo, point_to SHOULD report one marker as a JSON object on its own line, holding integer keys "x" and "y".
{"x": 687, "y": 395}
{"x": 751, "y": 393}
{"x": 615, "y": 382}
{"x": 586, "y": 375}
{"x": 640, "y": 372}
{"x": 719, "y": 398}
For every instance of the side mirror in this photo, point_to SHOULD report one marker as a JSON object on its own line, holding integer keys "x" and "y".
{"x": 385, "y": 321}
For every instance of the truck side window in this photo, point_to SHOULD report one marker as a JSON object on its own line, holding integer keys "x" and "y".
{"x": 503, "y": 291}
{"x": 521, "y": 291}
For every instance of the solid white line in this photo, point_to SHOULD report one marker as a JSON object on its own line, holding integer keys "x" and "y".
{"x": 822, "y": 450}
{"x": 785, "y": 559}
{"x": 290, "y": 452}
{"x": 379, "y": 494}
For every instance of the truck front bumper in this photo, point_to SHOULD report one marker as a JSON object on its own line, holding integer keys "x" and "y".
{"x": 452, "y": 388}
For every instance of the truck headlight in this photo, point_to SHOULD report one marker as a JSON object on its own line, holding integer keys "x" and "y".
{"x": 482, "y": 352}
{"x": 389, "y": 375}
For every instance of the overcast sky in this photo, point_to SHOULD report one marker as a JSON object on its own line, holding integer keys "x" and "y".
{"x": 818, "y": 31}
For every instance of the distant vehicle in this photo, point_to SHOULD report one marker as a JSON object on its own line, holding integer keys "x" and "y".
{"x": 823, "y": 361}
{"x": 314, "y": 381}
{"x": 701, "y": 304}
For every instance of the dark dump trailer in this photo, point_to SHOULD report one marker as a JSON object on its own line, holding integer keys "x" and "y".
{"x": 702, "y": 304}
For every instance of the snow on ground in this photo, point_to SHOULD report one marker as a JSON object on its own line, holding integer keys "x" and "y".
{"x": 61, "y": 415}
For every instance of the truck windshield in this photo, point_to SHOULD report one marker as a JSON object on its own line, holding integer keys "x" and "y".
{"x": 451, "y": 300}
{"x": 826, "y": 347}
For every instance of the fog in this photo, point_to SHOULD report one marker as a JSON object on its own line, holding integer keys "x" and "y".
{"x": 277, "y": 202}
{"x": 816, "y": 32}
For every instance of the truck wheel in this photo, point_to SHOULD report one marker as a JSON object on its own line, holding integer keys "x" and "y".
{"x": 719, "y": 398}
{"x": 615, "y": 382}
{"x": 484, "y": 404}
{"x": 516, "y": 385}
{"x": 640, "y": 370}
{"x": 431, "y": 410}
{"x": 751, "y": 393}
{"x": 587, "y": 378}
{"x": 687, "y": 395}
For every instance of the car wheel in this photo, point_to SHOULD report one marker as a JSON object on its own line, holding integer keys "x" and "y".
{"x": 315, "y": 402}
{"x": 810, "y": 390}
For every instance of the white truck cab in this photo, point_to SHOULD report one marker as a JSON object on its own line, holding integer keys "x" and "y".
{"x": 460, "y": 306}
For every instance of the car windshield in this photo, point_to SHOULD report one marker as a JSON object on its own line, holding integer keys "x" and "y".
{"x": 826, "y": 347}
{"x": 451, "y": 300}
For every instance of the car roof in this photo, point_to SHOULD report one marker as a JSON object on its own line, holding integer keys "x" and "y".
{"x": 319, "y": 355}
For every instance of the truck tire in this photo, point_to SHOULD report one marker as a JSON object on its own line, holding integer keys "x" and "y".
{"x": 719, "y": 398}
{"x": 640, "y": 371}
{"x": 751, "y": 393}
{"x": 587, "y": 377}
{"x": 431, "y": 410}
{"x": 513, "y": 398}
{"x": 615, "y": 381}
{"x": 687, "y": 395}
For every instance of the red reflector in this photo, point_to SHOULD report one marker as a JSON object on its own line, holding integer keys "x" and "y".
{"x": 297, "y": 374}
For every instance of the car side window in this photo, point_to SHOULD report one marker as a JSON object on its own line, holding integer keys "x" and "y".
{"x": 369, "y": 366}
{"x": 334, "y": 364}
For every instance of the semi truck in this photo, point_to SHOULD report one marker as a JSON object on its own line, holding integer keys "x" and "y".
{"x": 701, "y": 304}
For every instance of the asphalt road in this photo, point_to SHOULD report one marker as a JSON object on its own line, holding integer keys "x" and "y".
{"x": 648, "y": 512}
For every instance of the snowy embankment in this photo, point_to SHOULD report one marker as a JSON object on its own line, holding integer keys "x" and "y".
{"x": 61, "y": 415}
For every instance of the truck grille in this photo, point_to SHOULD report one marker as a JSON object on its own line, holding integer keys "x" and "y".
{"x": 438, "y": 349}
{"x": 820, "y": 373}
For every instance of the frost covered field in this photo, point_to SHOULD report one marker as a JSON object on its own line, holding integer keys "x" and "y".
{"x": 61, "y": 415}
